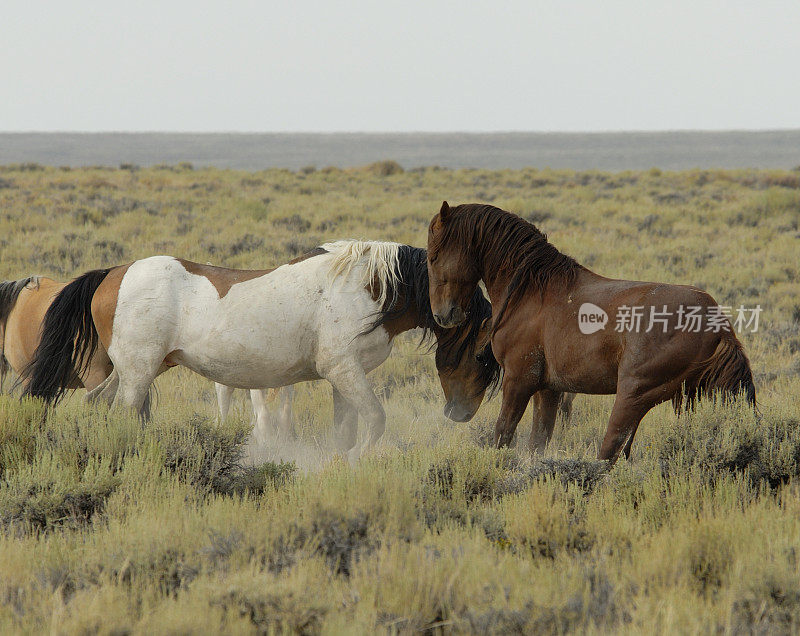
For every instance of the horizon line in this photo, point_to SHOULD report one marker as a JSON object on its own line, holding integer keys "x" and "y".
{"x": 402, "y": 132}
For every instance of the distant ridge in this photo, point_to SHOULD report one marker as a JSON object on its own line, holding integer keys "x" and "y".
{"x": 255, "y": 151}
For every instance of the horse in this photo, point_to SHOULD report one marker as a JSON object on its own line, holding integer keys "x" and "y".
{"x": 330, "y": 314}
{"x": 539, "y": 295}
{"x": 23, "y": 304}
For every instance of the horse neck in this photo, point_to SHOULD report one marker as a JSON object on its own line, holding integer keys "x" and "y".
{"x": 495, "y": 280}
{"x": 496, "y": 284}
{"x": 411, "y": 318}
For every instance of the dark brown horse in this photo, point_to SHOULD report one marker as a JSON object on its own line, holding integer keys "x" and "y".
{"x": 539, "y": 295}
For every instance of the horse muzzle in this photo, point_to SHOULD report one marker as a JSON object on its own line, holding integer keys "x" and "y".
{"x": 452, "y": 318}
{"x": 457, "y": 413}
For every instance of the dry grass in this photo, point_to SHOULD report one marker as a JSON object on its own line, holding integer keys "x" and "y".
{"x": 109, "y": 527}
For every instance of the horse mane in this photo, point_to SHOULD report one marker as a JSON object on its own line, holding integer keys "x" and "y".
{"x": 504, "y": 242}
{"x": 412, "y": 287}
{"x": 380, "y": 259}
{"x": 398, "y": 275}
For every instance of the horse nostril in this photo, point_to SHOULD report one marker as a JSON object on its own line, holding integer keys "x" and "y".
{"x": 454, "y": 316}
{"x": 457, "y": 413}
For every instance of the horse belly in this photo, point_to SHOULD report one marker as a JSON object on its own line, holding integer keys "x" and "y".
{"x": 249, "y": 358}
{"x": 596, "y": 380}
{"x": 583, "y": 365}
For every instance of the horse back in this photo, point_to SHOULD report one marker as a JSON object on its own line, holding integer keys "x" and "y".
{"x": 179, "y": 303}
{"x": 578, "y": 338}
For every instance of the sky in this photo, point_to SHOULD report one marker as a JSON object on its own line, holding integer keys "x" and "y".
{"x": 264, "y": 66}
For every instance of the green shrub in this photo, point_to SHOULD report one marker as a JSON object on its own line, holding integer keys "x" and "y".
{"x": 46, "y": 493}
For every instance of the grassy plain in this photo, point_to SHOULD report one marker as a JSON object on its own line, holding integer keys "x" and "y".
{"x": 106, "y": 527}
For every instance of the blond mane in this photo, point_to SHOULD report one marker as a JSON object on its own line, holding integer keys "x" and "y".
{"x": 379, "y": 261}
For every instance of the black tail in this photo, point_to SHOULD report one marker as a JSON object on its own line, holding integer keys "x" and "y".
{"x": 725, "y": 374}
{"x": 9, "y": 292}
{"x": 69, "y": 339}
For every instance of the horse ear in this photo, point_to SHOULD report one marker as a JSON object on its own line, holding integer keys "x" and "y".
{"x": 444, "y": 212}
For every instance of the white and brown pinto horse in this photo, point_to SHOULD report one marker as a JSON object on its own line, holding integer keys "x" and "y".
{"x": 331, "y": 314}
{"x": 23, "y": 305}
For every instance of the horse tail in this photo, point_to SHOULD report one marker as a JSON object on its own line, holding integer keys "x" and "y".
{"x": 725, "y": 374}
{"x": 69, "y": 339}
{"x": 9, "y": 293}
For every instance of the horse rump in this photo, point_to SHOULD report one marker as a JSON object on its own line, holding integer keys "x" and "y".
{"x": 69, "y": 340}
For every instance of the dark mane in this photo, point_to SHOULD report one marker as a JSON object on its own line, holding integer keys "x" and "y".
{"x": 508, "y": 243}
{"x": 453, "y": 344}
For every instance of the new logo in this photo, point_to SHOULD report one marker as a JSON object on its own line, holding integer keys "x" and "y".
{"x": 591, "y": 318}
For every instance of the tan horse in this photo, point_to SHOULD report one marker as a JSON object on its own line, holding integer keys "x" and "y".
{"x": 23, "y": 304}
{"x": 538, "y": 297}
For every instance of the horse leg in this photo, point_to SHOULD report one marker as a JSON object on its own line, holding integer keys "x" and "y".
{"x": 351, "y": 382}
{"x": 132, "y": 393}
{"x": 285, "y": 411}
{"x": 545, "y": 408}
{"x": 625, "y": 417}
{"x": 4, "y": 368}
{"x": 95, "y": 375}
{"x": 135, "y": 378}
{"x": 224, "y": 395}
{"x": 516, "y": 396}
{"x": 258, "y": 397}
{"x": 93, "y": 378}
{"x": 93, "y": 393}
{"x": 144, "y": 412}
{"x": 566, "y": 406}
{"x": 627, "y": 450}
{"x": 97, "y": 370}
{"x": 345, "y": 419}
{"x": 105, "y": 391}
